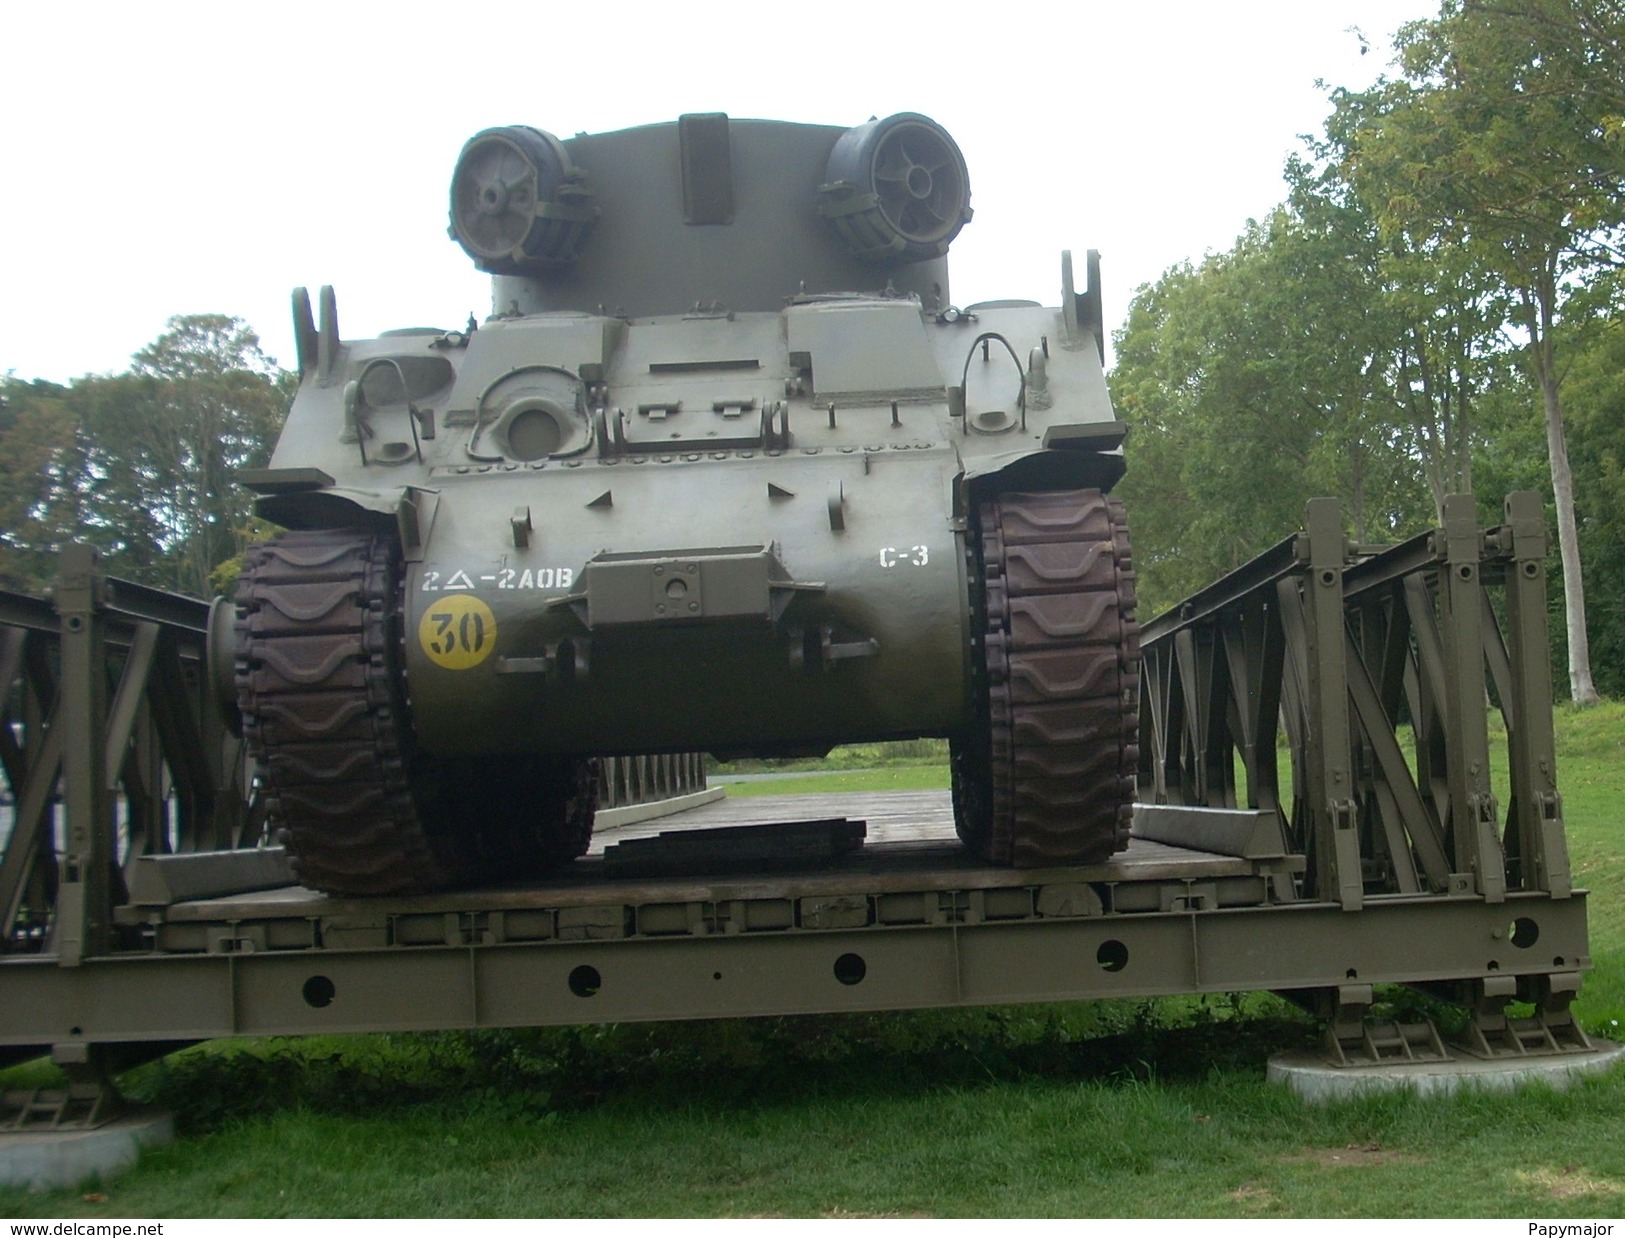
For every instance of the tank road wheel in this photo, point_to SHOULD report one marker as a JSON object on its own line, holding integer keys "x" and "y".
{"x": 321, "y": 691}
{"x": 1045, "y": 774}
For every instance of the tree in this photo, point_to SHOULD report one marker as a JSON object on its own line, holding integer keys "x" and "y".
{"x": 39, "y": 462}
{"x": 1502, "y": 143}
{"x": 1586, "y": 35}
{"x": 1257, "y": 380}
{"x": 1595, "y": 398}
{"x": 1433, "y": 343}
{"x": 163, "y": 442}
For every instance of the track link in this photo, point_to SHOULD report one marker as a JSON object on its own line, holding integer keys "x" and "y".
{"x": 318, "y": 684}
{"x": 1046, "y": 774}
{"x": 321, "y": 689}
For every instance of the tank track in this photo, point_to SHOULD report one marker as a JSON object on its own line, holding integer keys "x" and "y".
{"x": 1046, "y": 774}
{"x": 320, "y": 686}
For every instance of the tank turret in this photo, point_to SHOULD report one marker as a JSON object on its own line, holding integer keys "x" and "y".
{"x": 725, "y": 469}
{"x": 710, "y": 210}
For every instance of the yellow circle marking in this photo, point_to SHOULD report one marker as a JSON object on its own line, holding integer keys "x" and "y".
{"x": 458, "y": 631}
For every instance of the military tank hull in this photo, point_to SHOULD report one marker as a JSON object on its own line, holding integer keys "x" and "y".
{"x": 726, "y": 470}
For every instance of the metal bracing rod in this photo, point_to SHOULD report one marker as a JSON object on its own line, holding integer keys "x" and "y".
{"x": 1187, "y": 660}
{"x": 1253, "y": 651}
{"x": 1383, "y": 843}
{"x": 1392, "y": 661}
{"x": 1208, "y": 705}
{"x": 24, "y": 853}
{"x": 154, "y": 741}
{"x": 1335, "y": 652}
{"x": 1474, "y": 825}
{"x": 127, "y": 699}
{"x": 1259, "y": 573}
{"x": 174, "y": 705}
{"x": 1150, "y": 789}
{"x": 175, "y": 612}
{"x": 144, "y": 784}
{"x": 1329, "y": 796}
{"x": 1217, "y": 753}
{"x": 1239, "y": 718}
{"x": 1289, "y": 618}
{"x": 80, "y": 929}
{"x": 1425, "y": 694}
{"x": 1497, "y": 659}
{"x": 1425, "y": 625}
{"x": 22, "y": 612}
{"x": 1269, "y": 665}
{"x": 125, "y": 605}
{"x": 153, "y": 726}
{"x": 1404, "y": 813}
{"x": 626, "y": 780}
{"x": 1161, "y": 721}
{"x": 1387, "y": 567}
{"x": 13, "y": 655}
{"x": 1379, "y": 668}
{"x": 1174, "y": 765}
{"x": 1535, "y": 813}
{"x": 39, "y": 687}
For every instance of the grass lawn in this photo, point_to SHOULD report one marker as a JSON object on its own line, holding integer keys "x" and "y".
{"x": 895, "y": 778}
{"x": 1114, "y": 1109}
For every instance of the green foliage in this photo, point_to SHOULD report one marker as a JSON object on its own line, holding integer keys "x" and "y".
{"x": 161, "y": 444}
{"x": 845, "y": 757}
{"x": 39, "y": 462}
{"x": 223, "y": 576}
{"x": 1256, "y": 381}
{"x": 1151, "y": 1132}
{"x": 1596, "y": 423}
{"x": 1399, "y": 328}
{"x": 1500, "y": 145}
{"x": 140, "y": 464}
{"x": 1591, "y": 776}
{"x": 723, "y": 1063}
{"x": 893, "y": 778}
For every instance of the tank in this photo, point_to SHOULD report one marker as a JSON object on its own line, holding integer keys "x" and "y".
{"x": 726, "y": 469}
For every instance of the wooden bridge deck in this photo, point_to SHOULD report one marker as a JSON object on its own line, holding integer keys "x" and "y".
{"x": 909, "y": 845}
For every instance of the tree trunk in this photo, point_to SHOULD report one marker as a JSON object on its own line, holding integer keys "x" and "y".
{"x": 1582, "y": 689}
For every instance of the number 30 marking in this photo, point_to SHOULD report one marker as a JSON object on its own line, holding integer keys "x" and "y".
{"x": 458, "y": 631}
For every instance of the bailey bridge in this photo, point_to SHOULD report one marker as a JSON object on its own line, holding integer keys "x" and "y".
{"x": 142, "y": 906}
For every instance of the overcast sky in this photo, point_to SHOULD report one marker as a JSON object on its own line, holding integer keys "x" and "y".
{"x": 170, "y": 158}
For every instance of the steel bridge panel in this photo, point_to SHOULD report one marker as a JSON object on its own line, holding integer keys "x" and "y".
{"x": 1297, "y": 946}
{"x": 1394, "y": 871}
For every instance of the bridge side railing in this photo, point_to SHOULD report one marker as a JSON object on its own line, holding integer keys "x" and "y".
{"x": 111, "y": 750}
{"x": 113, "y": 747}
{"x": 1373, "y": 670}
{"x": 625, "y": 781}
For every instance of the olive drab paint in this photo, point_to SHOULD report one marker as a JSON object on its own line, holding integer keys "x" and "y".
{"x": 725, "y": 468}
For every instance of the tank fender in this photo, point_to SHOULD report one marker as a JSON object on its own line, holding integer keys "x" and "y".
{"x": 1084, "y": 467}
{"x": 335, "y": 507}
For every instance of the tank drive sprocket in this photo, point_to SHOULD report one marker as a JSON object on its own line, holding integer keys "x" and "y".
{"x": 1045, "y": 774}
{"x": 321, "y": 690}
